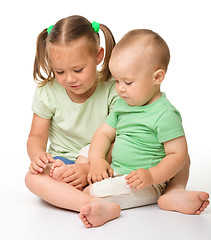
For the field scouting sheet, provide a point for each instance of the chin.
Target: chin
(129, 103)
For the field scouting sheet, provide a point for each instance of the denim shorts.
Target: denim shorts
(65, 160)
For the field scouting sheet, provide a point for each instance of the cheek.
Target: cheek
(143, 87)
(89, 76)
(117, 90)
(58, 78)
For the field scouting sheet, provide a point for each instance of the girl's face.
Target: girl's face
(75, 68)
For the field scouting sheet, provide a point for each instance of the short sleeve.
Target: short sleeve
(169, 126)
(42, 104)
(112, 118)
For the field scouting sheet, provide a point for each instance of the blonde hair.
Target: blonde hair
(160, 49)
(65, 31)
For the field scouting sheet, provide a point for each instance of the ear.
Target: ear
(100, 55)
(159, 76)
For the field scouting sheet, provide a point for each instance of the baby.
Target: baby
(149, 141)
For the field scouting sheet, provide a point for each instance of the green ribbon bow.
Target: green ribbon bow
(96, 26)
(49, 29)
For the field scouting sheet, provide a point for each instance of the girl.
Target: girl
(67, 104)
(71, 102)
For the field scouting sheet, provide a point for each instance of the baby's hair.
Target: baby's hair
(160, 49)
(66, 31)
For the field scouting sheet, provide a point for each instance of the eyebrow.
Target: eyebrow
(123, 79)
(79, 66)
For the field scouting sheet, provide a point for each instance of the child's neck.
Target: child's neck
(154, 98)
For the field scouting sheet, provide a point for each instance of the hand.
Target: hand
(76, 175)
(139, 178)
(39, 162)
(99, 170)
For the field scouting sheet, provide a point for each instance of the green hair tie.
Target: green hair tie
(96, 26)
(49, 29)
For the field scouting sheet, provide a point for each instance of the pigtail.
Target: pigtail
(104, 73)
(41, 64)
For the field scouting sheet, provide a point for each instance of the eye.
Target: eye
(59, 72)
(128, 83)
(78, 70)
(116, 81)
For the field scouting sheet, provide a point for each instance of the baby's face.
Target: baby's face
(134, 76)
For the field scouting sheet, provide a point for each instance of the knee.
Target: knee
(161, 202)
(29, 181)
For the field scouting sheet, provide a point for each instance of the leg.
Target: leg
(98, 211)
(114, 190)
(176, 198)
(57, 193)
(65, 196)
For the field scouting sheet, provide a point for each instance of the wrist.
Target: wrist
(95, 160)
(150, 176)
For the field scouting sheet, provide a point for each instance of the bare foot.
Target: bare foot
(57, 169)
(188, 202)
(98, 212)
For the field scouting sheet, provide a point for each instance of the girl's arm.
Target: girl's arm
(100, 145)
(36, 144)
(176, 156)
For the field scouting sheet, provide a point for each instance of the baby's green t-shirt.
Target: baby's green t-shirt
(141, 132)
(72, 124)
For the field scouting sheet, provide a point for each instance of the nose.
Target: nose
(70, 78)
(121, 87)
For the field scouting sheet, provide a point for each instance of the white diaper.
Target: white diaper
(116, 190)
(84, 151)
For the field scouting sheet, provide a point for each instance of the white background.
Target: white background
(186, 27)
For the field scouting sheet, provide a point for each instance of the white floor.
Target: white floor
(25, 216)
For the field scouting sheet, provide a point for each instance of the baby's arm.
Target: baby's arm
(36, 144)
(100, 145)
(176, 157)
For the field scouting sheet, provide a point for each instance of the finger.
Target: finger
(100, 177)
(50, 159)
(94, 178)
(67, 173)
(131, 174)
(89, 179)
(36, 167)
(132, 179)
(135, 184)
(41, 164)
(139, 186)
(69, 178)
(32, 170)
(110, 172)
(75, 182)
(79, 187)
(104, 175)
(44, 159)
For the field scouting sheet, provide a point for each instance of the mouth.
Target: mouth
(74, 86)
(124, 97)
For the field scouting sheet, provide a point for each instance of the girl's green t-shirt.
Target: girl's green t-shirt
(72, 124)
